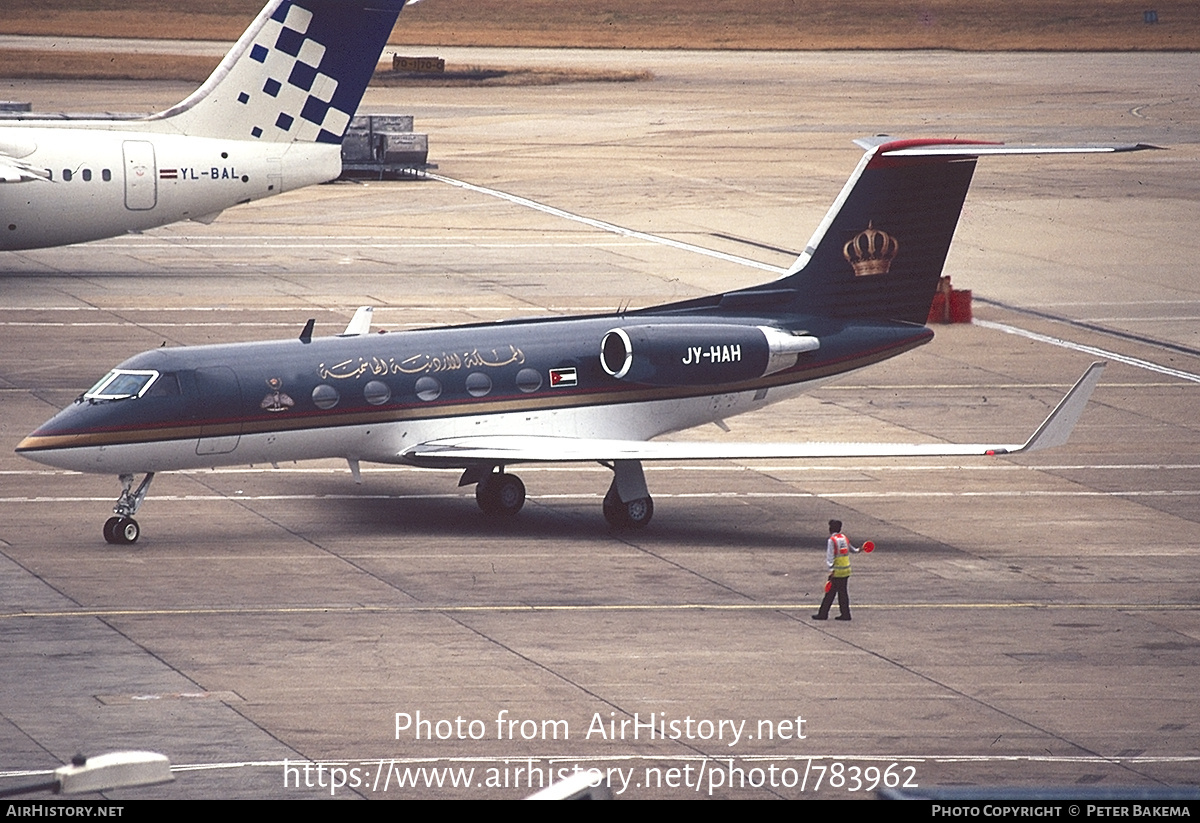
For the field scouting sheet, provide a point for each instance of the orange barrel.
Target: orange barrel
(960, 306)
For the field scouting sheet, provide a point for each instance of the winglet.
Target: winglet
(1056, 428)
(360, 323)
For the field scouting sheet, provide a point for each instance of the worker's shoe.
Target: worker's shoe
(842, 617)
(820, 617)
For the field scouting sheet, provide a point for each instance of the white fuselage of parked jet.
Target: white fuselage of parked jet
(270, 118)
(95, 182)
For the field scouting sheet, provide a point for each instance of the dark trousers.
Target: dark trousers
(843, 596)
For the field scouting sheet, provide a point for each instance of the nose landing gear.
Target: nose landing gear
(123, 529)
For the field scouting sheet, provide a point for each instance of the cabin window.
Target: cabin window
(428, 388)
(529, 380)
(106, 175)
(478, 384)
(325, 396)
(377, 393)
(87, 175)
(67, 175)
(121, 384)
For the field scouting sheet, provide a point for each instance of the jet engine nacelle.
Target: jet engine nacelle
(700, 354)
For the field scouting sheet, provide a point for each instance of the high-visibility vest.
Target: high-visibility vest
(841, 555)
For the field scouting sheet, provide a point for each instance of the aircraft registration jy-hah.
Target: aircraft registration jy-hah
(269, 119)
(596, 388)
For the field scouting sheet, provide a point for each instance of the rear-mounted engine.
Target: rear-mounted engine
(700, 354)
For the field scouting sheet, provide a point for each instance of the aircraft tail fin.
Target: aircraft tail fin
(879, 252)
(297, 74)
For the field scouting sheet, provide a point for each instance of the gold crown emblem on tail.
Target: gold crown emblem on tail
(871, 251)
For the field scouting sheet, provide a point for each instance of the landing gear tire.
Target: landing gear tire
(501, 494)
(634, 514)
(122, 530)
(639, 512)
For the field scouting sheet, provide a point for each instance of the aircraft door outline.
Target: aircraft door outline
(218, 389)
(141, 175)
(275, 174)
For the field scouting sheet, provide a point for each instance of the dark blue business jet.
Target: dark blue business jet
(596, 388)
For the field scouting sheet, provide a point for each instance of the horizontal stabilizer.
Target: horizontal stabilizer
(17, 171)
(208, 219)
(894, 147)
(457, 452)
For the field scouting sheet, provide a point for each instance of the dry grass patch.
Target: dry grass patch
(1066, 25)
(1059, 25)
(507, 76)
(59, 65)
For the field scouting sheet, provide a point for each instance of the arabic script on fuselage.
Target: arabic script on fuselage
(421, 363)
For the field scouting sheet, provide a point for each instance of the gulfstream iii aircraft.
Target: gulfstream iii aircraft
(592, 388)
(270, 118)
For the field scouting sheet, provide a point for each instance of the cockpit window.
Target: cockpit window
(167, 385)
(120, 384)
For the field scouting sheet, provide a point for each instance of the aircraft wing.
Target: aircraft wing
(13, 170)
(458, 452)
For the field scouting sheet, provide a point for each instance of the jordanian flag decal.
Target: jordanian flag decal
(561, 378)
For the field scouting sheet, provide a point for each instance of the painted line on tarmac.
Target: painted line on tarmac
(444, 244)
(609, 227)
(725, 466)
(520, 608)
(1092, 350)
(237, 498)
(339, 310)
(154, 324)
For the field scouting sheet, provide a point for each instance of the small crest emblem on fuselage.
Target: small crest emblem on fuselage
(276, 400)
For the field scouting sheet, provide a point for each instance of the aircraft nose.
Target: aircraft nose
(38, 445)
(60, 442)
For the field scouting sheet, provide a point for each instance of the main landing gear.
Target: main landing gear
(123, 529)
(627, 505)
(500, 493)
(635, 514)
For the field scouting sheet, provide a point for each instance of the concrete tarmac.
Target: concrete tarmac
(1025, 621)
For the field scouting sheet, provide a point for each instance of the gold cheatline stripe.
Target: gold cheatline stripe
(627, 607)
